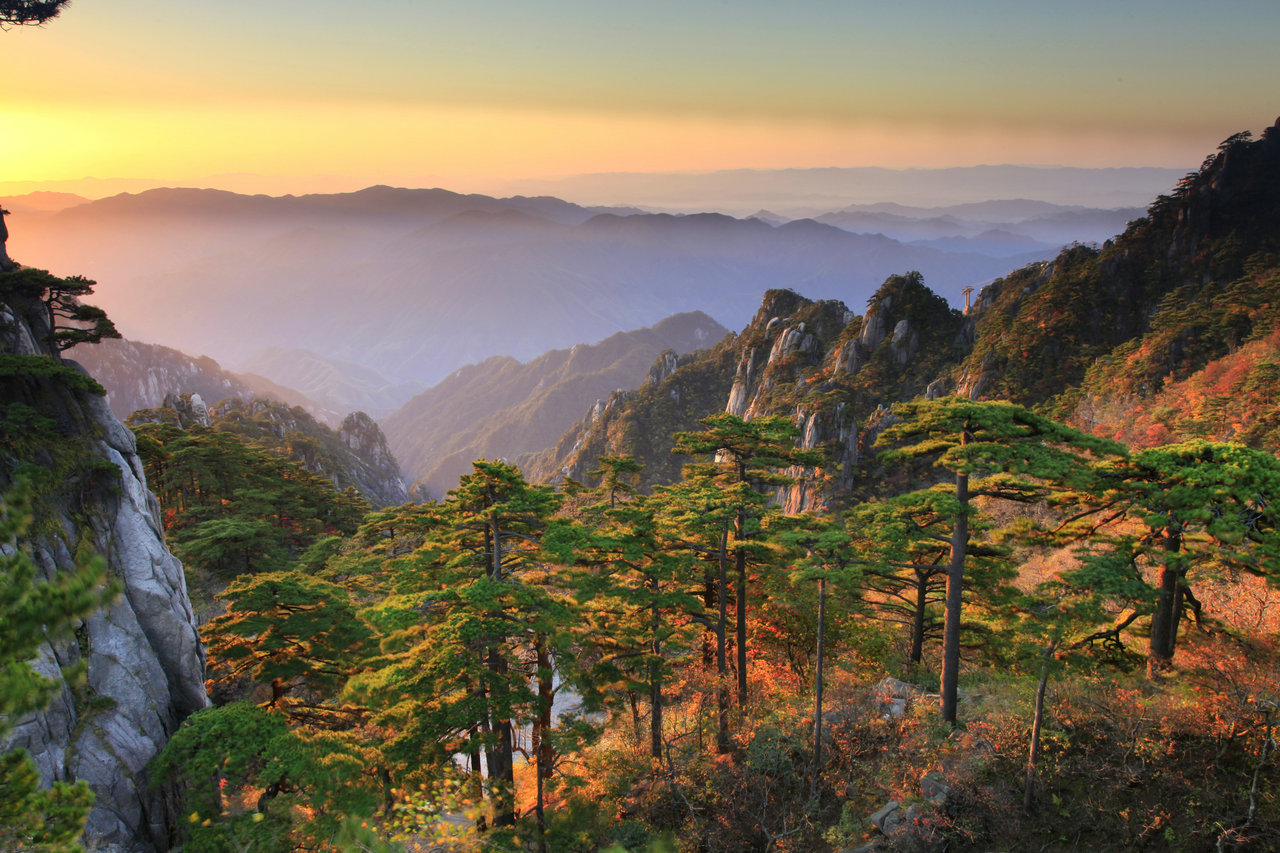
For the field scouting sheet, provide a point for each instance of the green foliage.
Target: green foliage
(46, 434)
(294, 434)
(247, 773)
(994, 451)
(456, 678)
(31, 614)
(1200, 508)
(284, 626)
(49, 820)
(1002, 442)
(232, 508)
(67, 321)
(33, 368)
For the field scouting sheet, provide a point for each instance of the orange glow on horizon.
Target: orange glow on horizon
(468, 148)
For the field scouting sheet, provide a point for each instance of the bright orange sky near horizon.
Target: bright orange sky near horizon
(305, 95)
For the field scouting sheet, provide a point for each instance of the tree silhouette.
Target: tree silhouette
(20, 12)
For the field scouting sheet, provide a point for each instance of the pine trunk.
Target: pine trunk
(817, 690)
(917, 619)
(1164, 621)
(1037, 718)
(955, 592)
(544, 753)
(502, 758)
(655, 684)
(740, 601)
(741, 611)
(722, 663)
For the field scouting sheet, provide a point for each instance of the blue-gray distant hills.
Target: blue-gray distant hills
(810, 192)
(504, 408)
(416, 283)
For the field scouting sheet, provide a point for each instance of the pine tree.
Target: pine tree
(636, 587)
(997, 451)
(284, 626)
(1202, 506)
(466, 635)
(825, 557)
(747, 458)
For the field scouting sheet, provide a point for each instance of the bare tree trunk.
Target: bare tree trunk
(543, 751)
(1164, 621)
(722, 664)
(709, 601)
(502, 761)
(1037, 717)
(634, 702)
(955, 588)
(917, 620)
(740, 561)
(817, 689)
(477, 776)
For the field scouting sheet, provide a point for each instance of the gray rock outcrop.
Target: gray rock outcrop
(144, 659)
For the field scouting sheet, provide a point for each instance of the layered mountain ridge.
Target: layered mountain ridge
(417, 283)
(502, 408)
(140, 376)
(333, 385)
(1173, 298)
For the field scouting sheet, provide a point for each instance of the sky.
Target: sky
(320, 95)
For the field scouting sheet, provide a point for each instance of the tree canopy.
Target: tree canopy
(28, 12)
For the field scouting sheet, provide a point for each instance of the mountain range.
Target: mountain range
(1019, 229)
(414, 284)
(329, 384)
(139, 375)
(1169, 331)
(811, 192)
(502, 408)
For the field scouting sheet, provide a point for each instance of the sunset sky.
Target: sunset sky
(303, 95)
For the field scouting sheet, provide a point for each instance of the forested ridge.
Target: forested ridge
(795, 593)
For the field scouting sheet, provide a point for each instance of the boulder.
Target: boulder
(888, 818)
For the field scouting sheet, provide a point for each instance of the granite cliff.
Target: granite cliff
(816, 362)
(145, 662)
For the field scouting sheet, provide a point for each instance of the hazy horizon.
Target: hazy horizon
(738, 192)
(474, 98)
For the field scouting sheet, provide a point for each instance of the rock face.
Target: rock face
(830, 371)
(140, 376)
(145, 663)
(375, 466)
